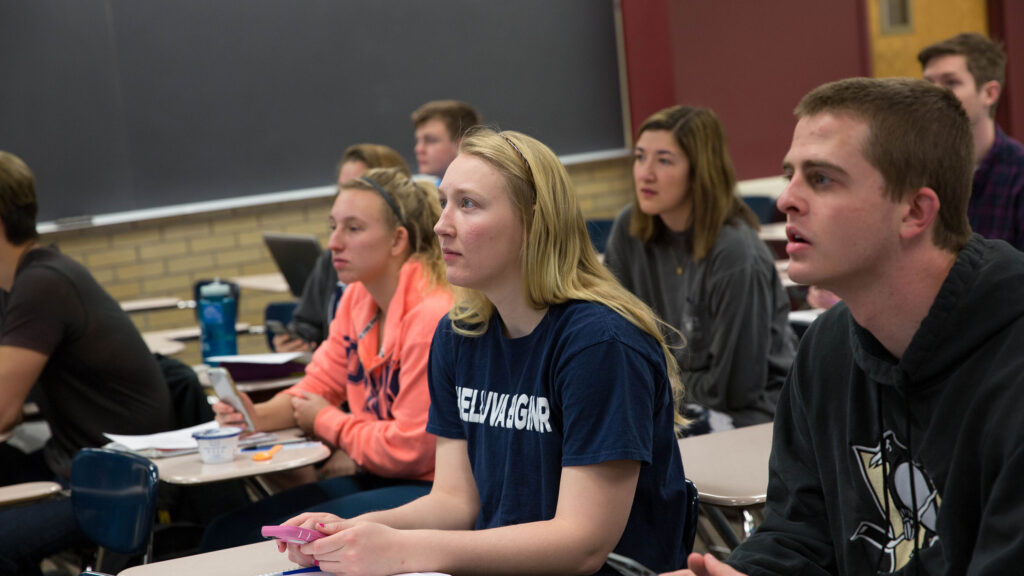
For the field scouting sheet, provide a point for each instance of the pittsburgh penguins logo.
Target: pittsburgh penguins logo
(907, 520)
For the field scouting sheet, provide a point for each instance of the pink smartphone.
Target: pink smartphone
(292, 534)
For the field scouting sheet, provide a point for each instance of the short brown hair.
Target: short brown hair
(374, 156)
(457, 116)
(918, 136)
(986, 60)
(18, 206)
(712, 181)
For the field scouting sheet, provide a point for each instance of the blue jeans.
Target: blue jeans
(344, 496)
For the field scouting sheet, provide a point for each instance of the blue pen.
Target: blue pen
(306, 570)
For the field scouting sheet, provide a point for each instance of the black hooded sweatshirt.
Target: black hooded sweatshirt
(854, 425)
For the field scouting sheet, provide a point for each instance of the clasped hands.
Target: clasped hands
(350, 547)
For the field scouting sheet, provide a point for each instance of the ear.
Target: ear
(922, 208)
(990, 92)
(400, 241)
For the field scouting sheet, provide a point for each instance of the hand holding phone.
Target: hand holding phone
(277, 328)
(224, 388)
(292, 534)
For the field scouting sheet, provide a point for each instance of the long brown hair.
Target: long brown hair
(712, 182)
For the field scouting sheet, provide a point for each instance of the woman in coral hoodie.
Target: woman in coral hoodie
(365, 391)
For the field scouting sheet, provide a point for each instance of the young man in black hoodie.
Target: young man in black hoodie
(899, 437)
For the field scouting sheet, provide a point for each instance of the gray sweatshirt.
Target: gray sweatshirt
(731, 308)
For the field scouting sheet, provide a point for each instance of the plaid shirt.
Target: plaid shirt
(996, 208)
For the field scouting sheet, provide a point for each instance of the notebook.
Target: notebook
(295, 255)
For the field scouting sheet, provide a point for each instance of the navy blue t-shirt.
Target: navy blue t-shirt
(584, 387)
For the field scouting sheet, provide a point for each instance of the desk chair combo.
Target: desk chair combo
(730, 470)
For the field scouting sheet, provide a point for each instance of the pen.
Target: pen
(306, 570)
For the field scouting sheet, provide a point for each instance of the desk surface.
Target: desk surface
(250, 560)
(27, 491)
(774, 232)
(189, 469)
(151, 304)
(729, 468)
(266, 282)
(170, 342)
(250, 386)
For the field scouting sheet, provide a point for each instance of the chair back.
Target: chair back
(280, 311)
(764, 208)
(692, 508)
(598, 230)
(113, 495)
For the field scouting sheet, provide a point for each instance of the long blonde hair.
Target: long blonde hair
(558, 262)
(418, 211)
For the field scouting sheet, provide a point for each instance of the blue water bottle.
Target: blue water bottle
(217, 320)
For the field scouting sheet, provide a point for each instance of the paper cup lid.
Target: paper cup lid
(215, 433)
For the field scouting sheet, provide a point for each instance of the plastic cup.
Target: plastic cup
(217, 445)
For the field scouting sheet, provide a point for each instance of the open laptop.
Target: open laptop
(295, 255)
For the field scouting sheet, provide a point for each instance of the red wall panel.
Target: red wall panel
(648, 45)
(753, 61)
(1005, 18)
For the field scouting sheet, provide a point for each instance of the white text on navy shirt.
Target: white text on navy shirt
(519, 411)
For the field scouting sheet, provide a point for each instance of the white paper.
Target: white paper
(269, 358)
(173, 440)
(805, 316)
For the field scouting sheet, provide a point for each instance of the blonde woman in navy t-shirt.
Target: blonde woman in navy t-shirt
(551, 396)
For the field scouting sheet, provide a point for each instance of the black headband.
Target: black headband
(387, 198)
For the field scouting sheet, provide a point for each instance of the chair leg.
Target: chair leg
(722, 526)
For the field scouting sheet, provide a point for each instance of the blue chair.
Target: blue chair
(280, 311)
(763, 207)
(113, 495)
(598, 230)
(692, 510)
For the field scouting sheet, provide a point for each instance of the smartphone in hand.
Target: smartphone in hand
(278, 328)
(224, 388)
(292, 534)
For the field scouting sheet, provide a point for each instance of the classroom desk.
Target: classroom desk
(729, 468)
(266, 282)
(249, 560)
(250, 387)
(151, 304)
(189, 469)
(170, 342)
(774, 232)
(26, 492)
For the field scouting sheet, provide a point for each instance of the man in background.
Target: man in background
(61, 333)
(439, 128)
(974, 69)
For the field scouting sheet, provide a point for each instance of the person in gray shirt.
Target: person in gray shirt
(688, 247)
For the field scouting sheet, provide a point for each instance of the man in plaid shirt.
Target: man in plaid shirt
(973, 68)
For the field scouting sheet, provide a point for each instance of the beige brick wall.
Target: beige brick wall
(166, 257)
